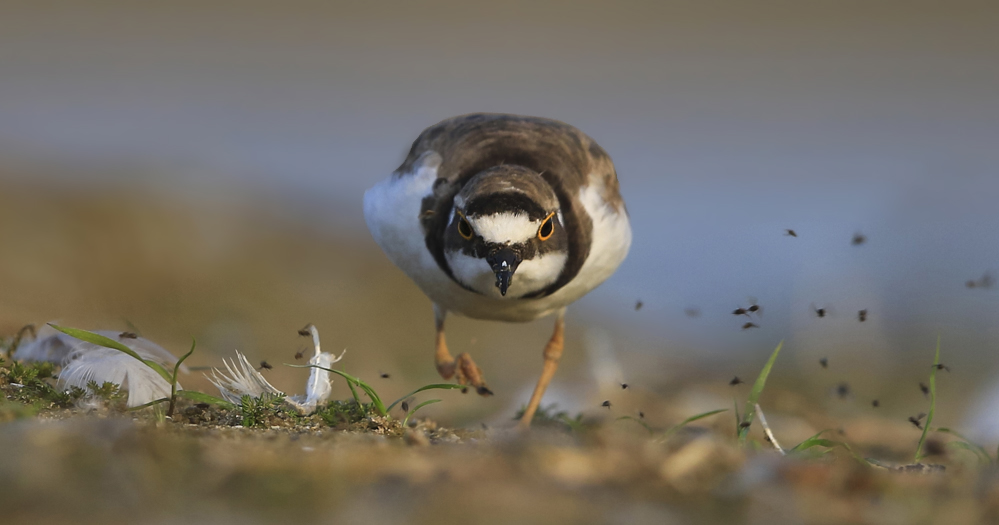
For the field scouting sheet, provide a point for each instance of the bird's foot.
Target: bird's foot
(470, 374)
(446, 368)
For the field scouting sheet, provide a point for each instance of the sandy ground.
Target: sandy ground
(99, 469)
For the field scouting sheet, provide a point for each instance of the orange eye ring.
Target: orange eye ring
(464, 228)
(547, 228)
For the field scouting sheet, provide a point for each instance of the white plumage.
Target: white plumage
(505, 227)
(532, 275)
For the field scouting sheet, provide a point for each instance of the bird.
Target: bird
(501, 217)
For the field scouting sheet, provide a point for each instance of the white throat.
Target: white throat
(532, 275)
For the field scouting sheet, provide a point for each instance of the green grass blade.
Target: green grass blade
(106, 342)
(440, 386)
(857, 457)
(738, 419)
(375, 399)
(173, 378)
(976, 448)
(353, 381)
(149, 404)
(200, 397)
(96, 339)
(691, 419)
(816, 441)
(639, 421)
(417, 407)
(353, 393)
(754, 394)
(933, 404)
(183, 358)
(574, 424)
(808, 443)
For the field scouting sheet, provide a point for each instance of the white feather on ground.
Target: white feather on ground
(243, 379)
(55, 347)
(89, 363)
(319, 387)
(50, 346)
(83, 362)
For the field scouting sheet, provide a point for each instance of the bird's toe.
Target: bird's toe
(470, 374)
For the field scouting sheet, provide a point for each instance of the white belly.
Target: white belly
(392, 209)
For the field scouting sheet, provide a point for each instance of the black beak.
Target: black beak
(503, 262)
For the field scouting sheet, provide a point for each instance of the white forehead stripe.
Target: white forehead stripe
(505, 227)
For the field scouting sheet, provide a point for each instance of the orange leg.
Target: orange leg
(552, 355)
(445, 363)
(467, 371)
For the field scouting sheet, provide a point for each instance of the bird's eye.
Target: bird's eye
(547, 227)
(465, 229)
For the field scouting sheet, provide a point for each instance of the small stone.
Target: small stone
(416, 438)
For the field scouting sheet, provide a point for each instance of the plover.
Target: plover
(501, 217)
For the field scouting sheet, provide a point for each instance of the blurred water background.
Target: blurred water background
(196, 169)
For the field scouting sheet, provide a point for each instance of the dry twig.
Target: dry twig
(766, 428)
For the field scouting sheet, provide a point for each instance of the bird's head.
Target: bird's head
(505, 236)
